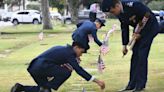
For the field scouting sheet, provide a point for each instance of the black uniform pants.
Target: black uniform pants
(50, 78)
(161, 25)
(161, 18)
(139, 59)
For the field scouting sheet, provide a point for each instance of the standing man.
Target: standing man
(93, 11)
(130, 13)
(86, 28)
(53, 67)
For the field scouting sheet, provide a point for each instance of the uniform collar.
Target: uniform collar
(72, 51)
(122, 11)
(95, 28)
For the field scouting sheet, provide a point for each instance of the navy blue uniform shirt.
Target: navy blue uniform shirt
(133, 12)
(84, 29)
(57, 56)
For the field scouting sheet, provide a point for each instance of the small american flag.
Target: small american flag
(104, 49)
(105, 46)
(100, 64)
(41, 36)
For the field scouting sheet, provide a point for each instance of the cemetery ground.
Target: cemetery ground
(20, 44)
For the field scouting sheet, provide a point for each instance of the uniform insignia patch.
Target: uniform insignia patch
(130, 4)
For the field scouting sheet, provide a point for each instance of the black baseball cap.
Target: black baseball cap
(101, 21)
(107, 4)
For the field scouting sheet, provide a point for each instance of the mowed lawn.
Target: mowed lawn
(19, 45)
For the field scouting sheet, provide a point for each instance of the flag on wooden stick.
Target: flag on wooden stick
(104, 49)
(41, 36)
(105, 46)
(138, 29)
(100, 64)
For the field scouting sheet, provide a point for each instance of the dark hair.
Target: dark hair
(108, 4)
(114, 2)
(96, 2)
(76, 44)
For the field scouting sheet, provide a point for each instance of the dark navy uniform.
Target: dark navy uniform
(133, 12)
(48, 64)
(80, 35)
(161, 24)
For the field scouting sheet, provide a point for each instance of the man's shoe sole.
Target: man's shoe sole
(14, 88)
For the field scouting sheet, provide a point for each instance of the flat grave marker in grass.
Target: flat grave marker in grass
(78, 86)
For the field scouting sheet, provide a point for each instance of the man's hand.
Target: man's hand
(124, 50)
(100, 83)
(104, 49)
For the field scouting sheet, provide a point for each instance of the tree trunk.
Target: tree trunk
(46, 14)
(73, 6)
(24, 2)
(12, 3)
(1, 3)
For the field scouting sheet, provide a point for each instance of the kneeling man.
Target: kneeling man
(53, 67)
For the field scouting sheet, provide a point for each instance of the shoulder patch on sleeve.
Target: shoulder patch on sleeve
(130, 4)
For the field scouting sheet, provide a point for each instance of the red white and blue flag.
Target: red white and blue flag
(105, 46)
(100, 64)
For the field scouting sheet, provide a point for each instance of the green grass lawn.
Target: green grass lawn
(21, 45)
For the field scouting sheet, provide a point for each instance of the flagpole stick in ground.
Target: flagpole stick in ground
(104, 49)
(41, 36)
